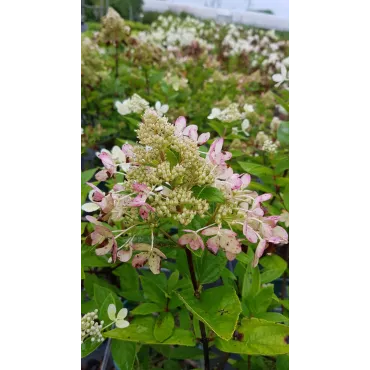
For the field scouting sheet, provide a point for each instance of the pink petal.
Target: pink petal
(249, 233)
(180, 124)
(259, 252)
(140, 260)
(261, 198)
(197, 243)
(140, 187)
(186, 239)
(144, 213)
(104, 231)
(211, 231)
(191, 131)
(203, 138)
(139, 200)
(227, 156)
(235, 181)
(127, 149)
(154, 264)
(218, 145)
(279, 235)
(212, 244)
(124, 255)
(107, 160)
(246, 179)
(228, 232)
(101, 175)
(106, 249)
(118, 187)
(93, 220)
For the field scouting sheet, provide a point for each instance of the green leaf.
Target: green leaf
(172, 281)
(146, 309)
(171, 365)
(184, 319)
(208, 193)
(123, 354)
(209, 267)
(282, 165)
(283, 133)
(141, 331)
(251, 282)
(261, 301)
(88, 346)
(164, 326)
(88, 306)
(155, 77)
(129, 282)
(283, 302)
(87, 175)
(282, 362)
(244, 258)
(179, 353)
(260, 187)
(82, 273)
(153, 290)
(272, 316)
(258, 337)
(256, 169)
(273, 267)
(91, 279)
(217, 126)
(103, 298)
(171, 157)
(218, 308)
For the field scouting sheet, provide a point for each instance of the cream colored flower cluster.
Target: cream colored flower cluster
(91, 328)
(113, 28)
(92, 65)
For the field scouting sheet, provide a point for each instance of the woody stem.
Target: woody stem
(201, 324)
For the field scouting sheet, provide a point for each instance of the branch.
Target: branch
(201, 324)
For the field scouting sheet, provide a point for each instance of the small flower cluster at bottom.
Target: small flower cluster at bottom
(91, 328)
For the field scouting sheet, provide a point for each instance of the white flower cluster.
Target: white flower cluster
(135, 104)
(91, 328)
(269, 146)
(175, 33)
(257, 44)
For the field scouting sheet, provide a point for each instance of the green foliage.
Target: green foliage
(124, 354)
(141, 330)
(257, 337)
(218, 308)
(208, 193)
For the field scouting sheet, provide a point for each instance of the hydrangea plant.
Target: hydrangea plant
(173, 216)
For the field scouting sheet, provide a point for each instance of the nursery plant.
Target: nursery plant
(167, 222)
(185, 195)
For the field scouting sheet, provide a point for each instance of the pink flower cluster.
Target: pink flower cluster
(256, 227)
(243, 208)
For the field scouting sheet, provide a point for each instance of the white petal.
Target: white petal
(125, 166)
(277, 77)
(112, 311)
(283, 71)
(117, 153)
(90, 207)
(164, 108)
(122, 314)
(245, 124)
(158, 105)
(122, 324)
